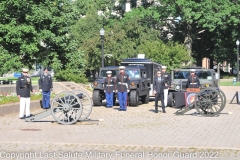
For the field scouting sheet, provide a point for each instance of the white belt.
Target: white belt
(193, 83)
(109, 85)
(122, 83)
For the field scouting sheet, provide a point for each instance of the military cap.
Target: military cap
(109, 72)
(122, 67)
(164, 67)
(25, 70)
(192, 70)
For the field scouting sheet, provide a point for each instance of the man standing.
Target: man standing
(45, 86)
(158, 85)
(193, 80)
(167, 78)
(23, 88)
(108, 89)
(123, 87)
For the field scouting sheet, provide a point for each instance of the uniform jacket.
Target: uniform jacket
(109, 84)
(122, 82)
(167, 78)
(193, 82)
(158, 86)
(45, 82)
(24, 86)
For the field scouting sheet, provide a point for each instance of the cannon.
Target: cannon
(208, 102)
(67, 108)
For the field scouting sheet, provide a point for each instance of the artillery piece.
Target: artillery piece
(208, 102)
(67, 108)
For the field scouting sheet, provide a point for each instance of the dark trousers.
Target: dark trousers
(161, 96)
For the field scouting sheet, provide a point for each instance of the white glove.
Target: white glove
(104, 90)
(128, 90)
(116, 91)
(40, 90)
(113, 91)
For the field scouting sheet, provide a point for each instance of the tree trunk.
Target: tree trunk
(188, 40)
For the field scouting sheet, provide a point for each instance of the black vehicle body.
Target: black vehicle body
(139, 85)
(151, 68)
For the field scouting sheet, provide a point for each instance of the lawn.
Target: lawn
(34, 79)
(228, 83)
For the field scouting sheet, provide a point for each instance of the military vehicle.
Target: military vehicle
(207, 77)
(151, 67)
(139, 85)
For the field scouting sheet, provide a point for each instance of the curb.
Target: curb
(14, 107)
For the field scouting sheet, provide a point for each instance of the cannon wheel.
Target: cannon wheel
(86, 103)
(66, 108)
(210, 101)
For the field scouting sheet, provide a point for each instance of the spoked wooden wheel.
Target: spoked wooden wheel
(210, 101)
(86, 103)
(66, 108)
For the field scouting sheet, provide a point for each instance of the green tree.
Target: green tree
(33, 30)
(194, 20)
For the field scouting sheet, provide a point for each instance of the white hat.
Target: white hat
(192, 70)
(164, 67)
(122, 67)
(109, 72)
(25, 70)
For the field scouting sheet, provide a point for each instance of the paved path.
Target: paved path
(138, 133)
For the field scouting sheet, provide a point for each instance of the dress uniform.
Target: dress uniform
(193, 80)
(167, 78)
(158, 85)
(109, 88)
(23, 88)
(45, 86)
(123, 87)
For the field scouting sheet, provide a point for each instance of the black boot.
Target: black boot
(156, 109)
(163, 109)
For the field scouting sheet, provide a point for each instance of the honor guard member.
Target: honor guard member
(193, 80)
(158, 86)
(45, 86)
(167, 78)
(23, 88)
(109, 89)
(123, 87)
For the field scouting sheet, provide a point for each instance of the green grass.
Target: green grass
(228, 83)
(34, 79)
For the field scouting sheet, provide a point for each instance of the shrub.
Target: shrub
(68, 75)
(6, 98)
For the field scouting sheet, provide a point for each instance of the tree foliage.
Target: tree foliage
(202, 25)
(38, 31)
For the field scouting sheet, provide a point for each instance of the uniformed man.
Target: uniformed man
(193, 80)
(158, 86)
(109, 89)
(167, 78)
(45, 86)
(23, 88)
(123, 87)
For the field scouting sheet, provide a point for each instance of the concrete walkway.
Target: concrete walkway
(138, 133)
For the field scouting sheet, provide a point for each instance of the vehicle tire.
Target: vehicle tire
(96, 98)
(170, 101)
(145, 98)
(114, 100)
(133, 98)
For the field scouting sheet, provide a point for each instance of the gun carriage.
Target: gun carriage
(208, 102)
(67, 108)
